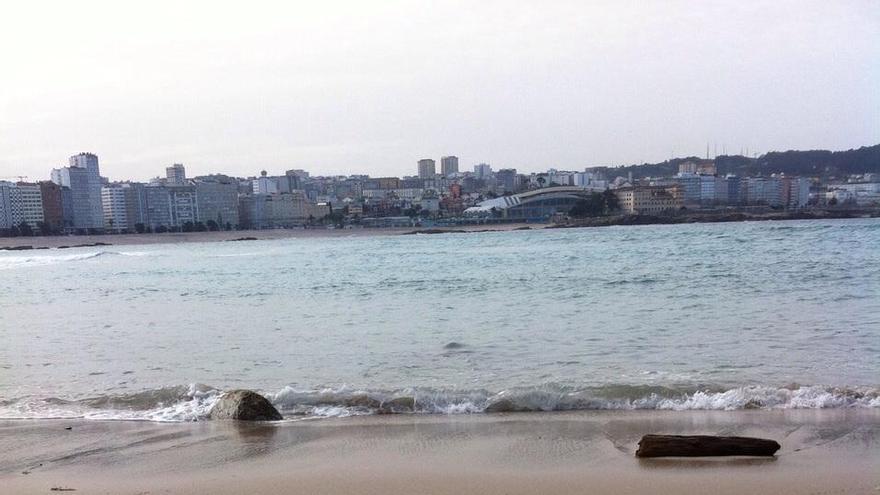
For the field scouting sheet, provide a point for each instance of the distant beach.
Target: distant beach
(823, 451)
(236, 235)
(43, 242)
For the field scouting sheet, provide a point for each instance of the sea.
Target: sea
(728, 316)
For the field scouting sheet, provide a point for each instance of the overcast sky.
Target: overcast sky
(371, 87)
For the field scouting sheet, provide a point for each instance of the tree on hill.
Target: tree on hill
(812, 163)
(594, 205)
(612, 203)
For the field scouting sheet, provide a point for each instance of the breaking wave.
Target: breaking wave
(7, 262)
(194, 402)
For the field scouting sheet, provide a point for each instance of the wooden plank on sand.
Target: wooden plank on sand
(704, 446)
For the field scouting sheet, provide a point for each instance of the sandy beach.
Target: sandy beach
(182, 237)
(823, 451)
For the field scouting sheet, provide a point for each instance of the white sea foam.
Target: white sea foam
(193, 403)
(177, 404)
(17, 261)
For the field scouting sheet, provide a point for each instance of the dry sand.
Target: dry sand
(825, 451)
(179, 237)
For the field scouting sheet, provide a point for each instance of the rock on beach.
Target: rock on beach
(244, 405)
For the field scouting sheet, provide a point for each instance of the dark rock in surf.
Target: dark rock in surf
(704, 446)
(505, 405)
(398, 405)
(363, 400)
(244, 405)
(454, 345)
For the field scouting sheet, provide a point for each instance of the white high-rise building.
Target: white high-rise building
(20, 203)
(113, 199)
(31, 204)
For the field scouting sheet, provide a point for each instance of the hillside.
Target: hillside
(812, 163)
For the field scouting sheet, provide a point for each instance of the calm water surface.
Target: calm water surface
(765, 314)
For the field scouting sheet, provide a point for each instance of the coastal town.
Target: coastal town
(77, 199)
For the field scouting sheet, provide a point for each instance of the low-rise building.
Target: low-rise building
(707, 189)
(795, 191)
(269, 211)
(861, 193)
(648, 200)
(764, 191)
(537, 205)
(691, 188)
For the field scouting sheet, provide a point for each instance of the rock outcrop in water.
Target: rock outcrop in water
(398, 405)
(505, 405)
(244, 405)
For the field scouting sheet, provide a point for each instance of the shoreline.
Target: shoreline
(103, 240)
(688, 217)
(517, 453)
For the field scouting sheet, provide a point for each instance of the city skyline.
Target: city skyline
(567, 85)
(160, 171)
(79, 200)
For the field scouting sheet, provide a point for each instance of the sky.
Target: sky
(371, 87)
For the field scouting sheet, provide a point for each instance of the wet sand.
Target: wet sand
(823, 451)
(181, 237)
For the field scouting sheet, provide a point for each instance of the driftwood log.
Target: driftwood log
(704, 446)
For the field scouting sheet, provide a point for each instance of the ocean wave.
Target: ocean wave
(7, 262)
(170, 404)
(194, 402)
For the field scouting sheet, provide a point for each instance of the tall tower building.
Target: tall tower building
(88, 161)
(83, 177)
(483, 171)
(176, 174)
(427, 169)
(448, 165)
